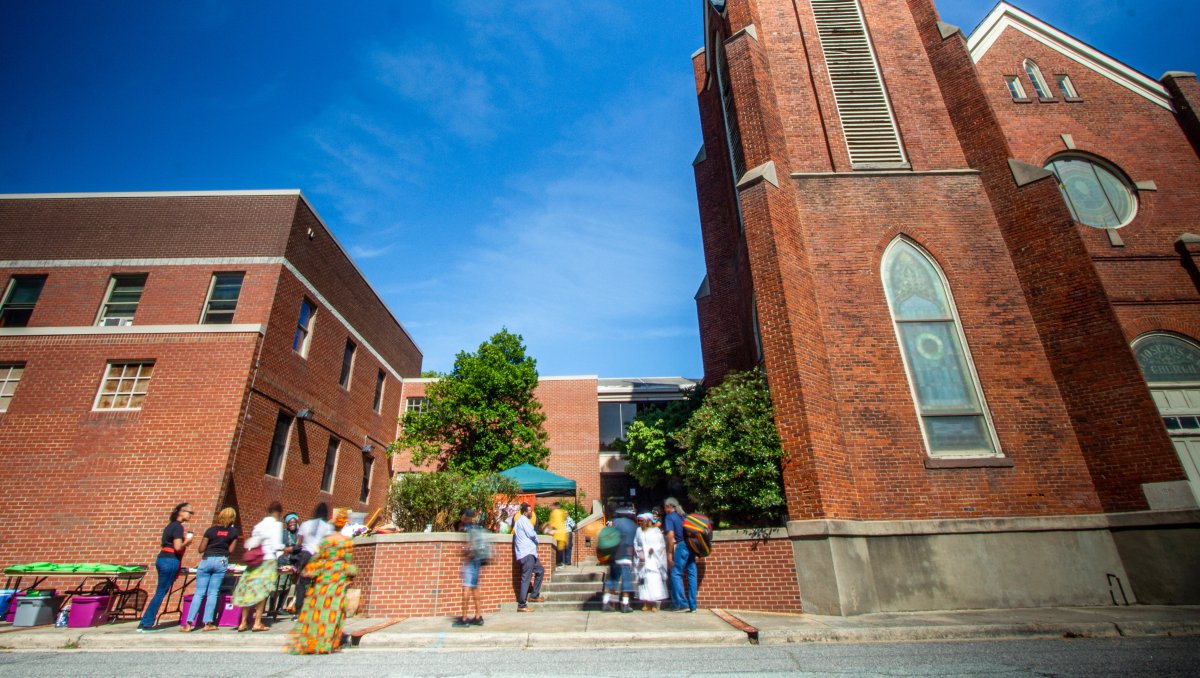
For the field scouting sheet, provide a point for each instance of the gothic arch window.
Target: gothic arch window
(945, 388)
(1039, 82)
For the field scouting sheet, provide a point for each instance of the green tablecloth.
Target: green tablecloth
(72, 568)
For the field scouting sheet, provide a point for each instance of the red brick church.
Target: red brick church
(966, 263)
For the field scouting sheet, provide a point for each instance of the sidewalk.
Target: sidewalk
(580, 629)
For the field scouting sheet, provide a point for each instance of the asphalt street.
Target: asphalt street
(1159, 657)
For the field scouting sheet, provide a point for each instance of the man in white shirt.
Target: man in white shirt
(525, 553)
(310, 535)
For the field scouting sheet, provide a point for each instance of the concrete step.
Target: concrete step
(568, 595)
(571, 586)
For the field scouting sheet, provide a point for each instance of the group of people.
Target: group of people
(651, 552)
(318, 550)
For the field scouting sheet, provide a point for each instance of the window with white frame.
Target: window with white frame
(304, 326)
(415, 404)
(1015, 88)
(331, 454)
(223, 296)
(368, 466)
(950, 404)
(1066, 86)
(19, 299)
(279, 444)
(10, 378)
(380, 381)
(1097, 192)
(125, 386)
(1035, 77)
(120, 305)
(347, 365)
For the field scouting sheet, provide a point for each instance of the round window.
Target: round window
(1097, 193)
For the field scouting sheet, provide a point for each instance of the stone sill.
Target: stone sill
(975, 462)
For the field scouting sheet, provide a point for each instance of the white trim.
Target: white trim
(581, 377)
(1005, 16)
(130, 329)
(211, 261)
(147, 194)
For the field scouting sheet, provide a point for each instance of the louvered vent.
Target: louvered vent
(862, 103)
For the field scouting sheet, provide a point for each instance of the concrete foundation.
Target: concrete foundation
(848, 567)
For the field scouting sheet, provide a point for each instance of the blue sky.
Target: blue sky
(487, 164)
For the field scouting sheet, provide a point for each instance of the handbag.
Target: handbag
(253, 557)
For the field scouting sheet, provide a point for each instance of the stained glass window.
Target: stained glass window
(947, 393)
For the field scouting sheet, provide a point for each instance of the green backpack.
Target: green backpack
(607, 543)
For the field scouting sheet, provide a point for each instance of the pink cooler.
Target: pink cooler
(227, 614)
(87, 611)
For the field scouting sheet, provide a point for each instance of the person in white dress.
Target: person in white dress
(651, 551)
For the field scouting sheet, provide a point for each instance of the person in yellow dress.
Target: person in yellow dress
(319, 629)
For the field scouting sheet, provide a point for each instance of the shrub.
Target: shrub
(419, 499)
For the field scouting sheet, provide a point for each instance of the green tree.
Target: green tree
(482, 417)
(731, 452)
(419, 499)
(649, 443)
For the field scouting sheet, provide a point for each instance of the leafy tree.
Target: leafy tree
(649, 443)
(430, 374)
(731, 460)
(419, 499)
(482, 416)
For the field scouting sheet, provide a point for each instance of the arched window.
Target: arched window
(950, 404)
(1171, 365)
(1096, 192)
(1039, 83)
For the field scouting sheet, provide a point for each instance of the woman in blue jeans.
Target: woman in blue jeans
(215, 545)
(174, 542)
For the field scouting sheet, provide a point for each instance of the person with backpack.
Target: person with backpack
(620, 569)
(476, 553)
(680, 559)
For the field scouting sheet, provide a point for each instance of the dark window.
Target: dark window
(223, 298)
(23, 293)
(615, 418)
(347, 365)
(304, 327)
(368, 464)
(379, 381)
(279, 444)
(330, 465)
(124, 293)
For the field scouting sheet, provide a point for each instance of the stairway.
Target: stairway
(573, 587)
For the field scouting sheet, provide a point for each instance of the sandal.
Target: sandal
(186, 628)
(242, 628)
(209, 627)
(260, 627)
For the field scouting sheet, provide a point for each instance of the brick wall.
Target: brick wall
(417, 575)
(573, 425)
(749, 572)
(89, 486)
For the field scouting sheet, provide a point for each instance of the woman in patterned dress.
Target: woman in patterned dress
(319, 630)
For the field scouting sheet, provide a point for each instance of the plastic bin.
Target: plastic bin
(38, 611)
(6, 597)
(88, 611)
(11, 615)
(226, 613)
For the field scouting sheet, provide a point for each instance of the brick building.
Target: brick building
(584, 415)
(950, 254)
(219, 348)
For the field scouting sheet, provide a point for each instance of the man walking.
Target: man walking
(475, 552)
(525, 553)
(680, 558)
(620, 571)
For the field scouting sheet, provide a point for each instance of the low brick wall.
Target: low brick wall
(750, 570)
(417, 575)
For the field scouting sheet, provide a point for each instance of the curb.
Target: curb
(549, 640)
(968, 632)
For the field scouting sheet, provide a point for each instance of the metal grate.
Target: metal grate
(862, 103)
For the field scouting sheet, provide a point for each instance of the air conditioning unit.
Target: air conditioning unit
(115, 322)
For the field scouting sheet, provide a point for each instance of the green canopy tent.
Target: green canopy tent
(543, 483)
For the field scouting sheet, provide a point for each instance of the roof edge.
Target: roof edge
(1004, 15)
(148, 194)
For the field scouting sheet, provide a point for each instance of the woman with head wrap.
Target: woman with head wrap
(319, 629)
(651, 550)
